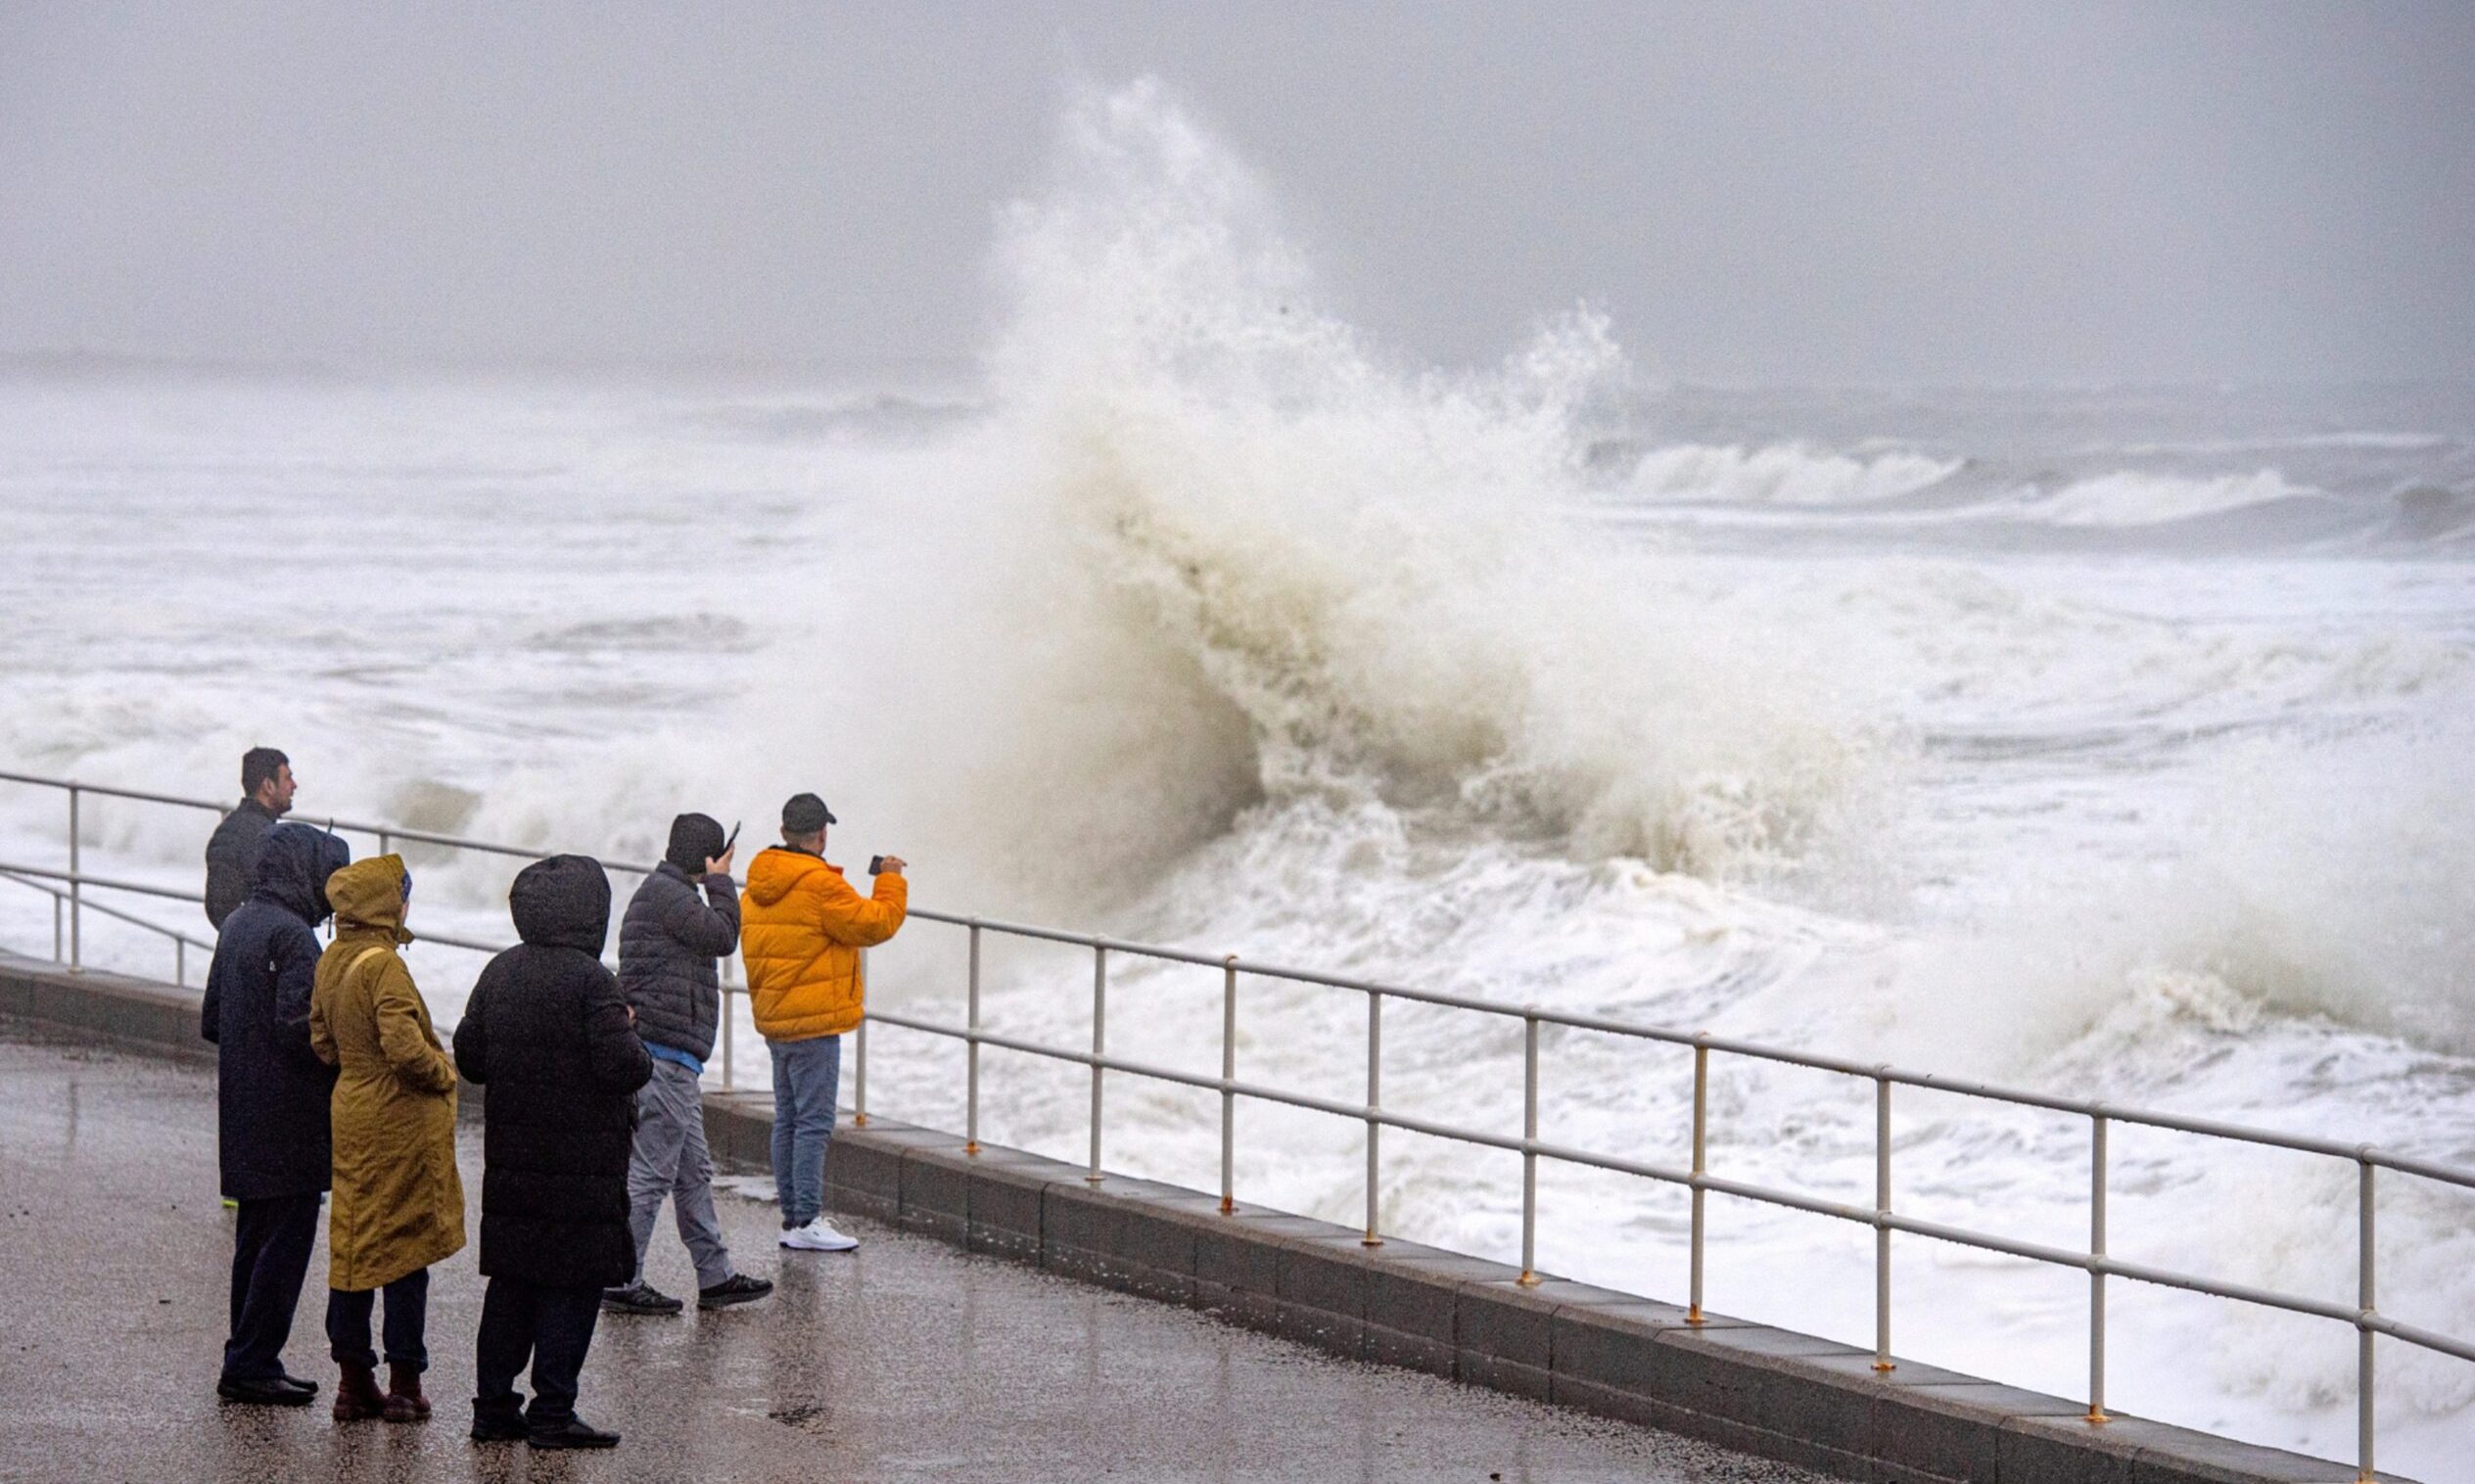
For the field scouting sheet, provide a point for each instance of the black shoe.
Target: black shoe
(263, 1391)
(738, 1288)
(498, 1426)
(304, 1387)
(574, 1432)
(640, 1297)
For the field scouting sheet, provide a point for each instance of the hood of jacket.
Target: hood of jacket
(694, 840)
(776, 871)
(562, 903)
(370, 894)
(293, 868)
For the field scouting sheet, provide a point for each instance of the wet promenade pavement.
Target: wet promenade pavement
(908, 1359)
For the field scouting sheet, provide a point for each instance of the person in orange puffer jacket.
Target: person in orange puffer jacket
(801, 929)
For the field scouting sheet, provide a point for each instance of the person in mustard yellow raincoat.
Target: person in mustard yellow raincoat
(398, 1203)
(802, 927)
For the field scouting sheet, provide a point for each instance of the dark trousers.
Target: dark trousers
(407, 1314)
(553, 1327)
(270, 1256)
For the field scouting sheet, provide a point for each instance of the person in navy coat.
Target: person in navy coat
(271, 1093)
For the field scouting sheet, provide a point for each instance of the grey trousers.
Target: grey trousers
(670, 1159)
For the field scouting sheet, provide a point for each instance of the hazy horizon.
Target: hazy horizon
(1908, 196)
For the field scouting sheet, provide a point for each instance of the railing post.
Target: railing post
(1099, 1045)
(180, 961)
(728, 1016)
(76, 897)
(1374, 1104)
(1529, 1156)
(1701, 1145)
(2365, 1392)
(859, 1082)
(2096, 1270)
(971, 1054)
(1882, 1225)
(382, 844)
(1227, 1075)
(57, 942)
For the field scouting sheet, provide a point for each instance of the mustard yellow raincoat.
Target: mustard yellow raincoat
(398, 1203)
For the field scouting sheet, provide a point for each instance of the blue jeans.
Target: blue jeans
(807, 1076)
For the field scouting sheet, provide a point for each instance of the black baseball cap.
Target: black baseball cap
(806, 813)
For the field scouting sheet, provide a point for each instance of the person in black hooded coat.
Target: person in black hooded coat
(273, 1139)
(547, 1034)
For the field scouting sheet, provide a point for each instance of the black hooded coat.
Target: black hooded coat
(271, 1090)
(546, 1033)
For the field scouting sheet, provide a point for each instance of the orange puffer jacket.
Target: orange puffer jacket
(801, 929)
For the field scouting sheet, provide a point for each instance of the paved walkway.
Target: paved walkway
(908, 1359)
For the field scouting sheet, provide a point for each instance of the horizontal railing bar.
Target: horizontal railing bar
(107, 792)
(2415, 1335)
(10, 874)
(140, 888)
(2301, 1143)
(53, 892)
(174, 893)
(357, 826)
(2177, 1123)
(1864, 1215)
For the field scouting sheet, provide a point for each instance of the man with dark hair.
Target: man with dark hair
(266, 788)
(271, 1096)
(683, 915)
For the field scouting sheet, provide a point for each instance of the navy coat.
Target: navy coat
(546, 1033)
(271, 1090)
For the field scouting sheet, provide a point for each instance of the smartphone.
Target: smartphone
(877, 866)
(734, 837)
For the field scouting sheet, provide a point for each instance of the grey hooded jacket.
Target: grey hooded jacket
(668, 945)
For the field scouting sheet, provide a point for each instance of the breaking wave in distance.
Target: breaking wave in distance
(2141, 499)
(1784, 474)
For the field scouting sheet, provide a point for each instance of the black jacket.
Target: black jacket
(667, 947)
(270, 1091)
(232, 858)
(546, 1033)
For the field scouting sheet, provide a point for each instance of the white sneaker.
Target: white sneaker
(817, 1237)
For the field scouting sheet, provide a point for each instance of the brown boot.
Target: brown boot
(404, 1401)
(356, 1396)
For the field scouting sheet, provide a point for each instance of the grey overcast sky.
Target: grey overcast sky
(1754, 192)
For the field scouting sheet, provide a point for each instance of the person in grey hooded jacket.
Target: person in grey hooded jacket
(681, 921)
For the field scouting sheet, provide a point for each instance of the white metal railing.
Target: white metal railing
(2363, 1315)
(30, 876)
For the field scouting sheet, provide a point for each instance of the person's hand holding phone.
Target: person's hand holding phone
(884, 865)
(720, 865)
